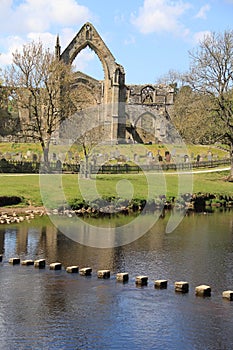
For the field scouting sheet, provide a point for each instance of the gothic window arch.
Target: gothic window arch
(147, 95)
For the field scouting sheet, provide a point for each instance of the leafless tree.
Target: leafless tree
(172, 78)
(42, 86)
(211, 73)
(83, 128)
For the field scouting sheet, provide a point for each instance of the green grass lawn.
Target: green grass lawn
(57, 189)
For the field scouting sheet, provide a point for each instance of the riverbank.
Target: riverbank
(112, 206)
(28, 186)
(15, 215)
(211, 189)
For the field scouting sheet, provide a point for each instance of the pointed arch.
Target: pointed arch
(145, 126)
(144, 115)
(88, 36)
(112, 88)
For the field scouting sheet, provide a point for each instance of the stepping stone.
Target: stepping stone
(72, 269)
(161, 284)
(228, 294)
(182, 287)
(27, 262)
(141, 280)
(55, 266)
(122, 277)
(203, 290)
(14, 261)
(85, 271)
(103, 274)
(40, 263)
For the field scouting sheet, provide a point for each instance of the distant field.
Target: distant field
(28, 186)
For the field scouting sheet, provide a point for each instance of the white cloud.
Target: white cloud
(12, 43)
(199, 36)
(5, 6)
(41, 15)
(202, 12)
(38, 20)
(45, 37)
(161, 16)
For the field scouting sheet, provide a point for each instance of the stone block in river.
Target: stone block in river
(55, 266)
(27, 262)
(40, 263)
(203, 290)
(141, 280)
(72, 269)
(182, 287)
(161, 284)
(85, 271)
(14, 261)
(228, 294)
(103, 274)
(122, 277)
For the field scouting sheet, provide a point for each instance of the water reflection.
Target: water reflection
(201, 243)
(44, 309)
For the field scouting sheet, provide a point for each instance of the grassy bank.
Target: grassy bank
(124, 186)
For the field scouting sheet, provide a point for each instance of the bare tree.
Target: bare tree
(83, 128)
(42, 86)
(211, 73)
(172, 78)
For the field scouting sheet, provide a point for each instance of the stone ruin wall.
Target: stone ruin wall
(89, 91)
(147, 112)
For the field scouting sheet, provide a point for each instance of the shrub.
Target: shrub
(10, 200)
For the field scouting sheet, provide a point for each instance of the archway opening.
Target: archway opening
(89, 63)
(146, 128)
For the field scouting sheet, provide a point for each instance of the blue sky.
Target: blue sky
(147, 37)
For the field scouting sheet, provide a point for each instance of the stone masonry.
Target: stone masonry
(135, 113)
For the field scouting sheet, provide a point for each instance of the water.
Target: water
(44, 309)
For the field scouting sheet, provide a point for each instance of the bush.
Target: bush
(77, 204)
(10, 200)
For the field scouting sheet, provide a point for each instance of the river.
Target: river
(46, 309)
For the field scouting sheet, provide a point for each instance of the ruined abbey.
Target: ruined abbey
(129, 113)
(137, 113)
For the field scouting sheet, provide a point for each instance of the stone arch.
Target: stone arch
(113, 89)
(144, 115)
(145, 126)
(88, 36)
(143, 123)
